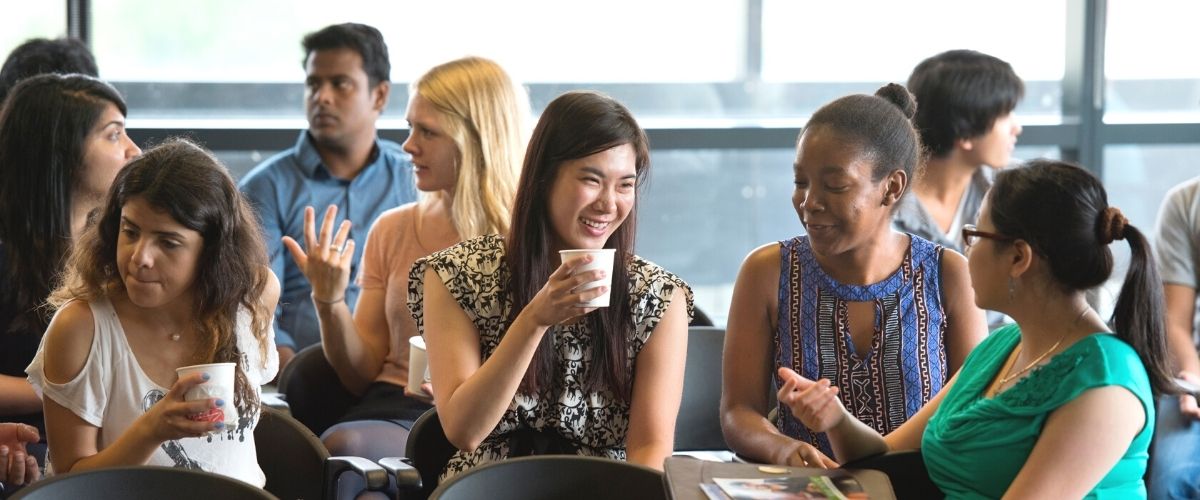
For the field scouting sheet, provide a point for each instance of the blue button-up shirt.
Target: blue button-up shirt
(281, 187)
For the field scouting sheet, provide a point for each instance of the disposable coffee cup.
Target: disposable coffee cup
(418, 363)
(602, 258)
(219, 385)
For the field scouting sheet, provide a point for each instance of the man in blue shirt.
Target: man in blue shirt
(338, 161)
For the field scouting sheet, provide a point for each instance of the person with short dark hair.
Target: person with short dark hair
(965, 102)
(520, 365)
(62, 141)
(173, 273)
(38, 56)
(885, 315)
(338, 161)
(1058, 405)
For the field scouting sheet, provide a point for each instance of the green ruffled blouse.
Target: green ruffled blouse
(974, 446)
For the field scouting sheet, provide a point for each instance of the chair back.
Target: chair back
(142, 482)
(429, 450)
(314, 394)
(291, 456)
(698, 426)
(699, 318)
(906, 470)
(555, 477)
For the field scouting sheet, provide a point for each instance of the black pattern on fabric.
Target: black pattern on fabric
(596, 422)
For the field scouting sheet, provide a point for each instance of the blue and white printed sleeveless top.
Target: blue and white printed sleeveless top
(906, 365)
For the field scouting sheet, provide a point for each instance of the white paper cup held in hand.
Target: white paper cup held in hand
(602, 258)
(219, 385)
(418, 363)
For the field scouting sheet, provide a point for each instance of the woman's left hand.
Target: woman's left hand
(326, 264)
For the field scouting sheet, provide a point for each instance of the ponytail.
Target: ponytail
(1138, 316)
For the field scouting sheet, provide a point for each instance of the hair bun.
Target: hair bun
(901, 97)
(1111, 225)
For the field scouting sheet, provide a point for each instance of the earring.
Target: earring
(1012, 288)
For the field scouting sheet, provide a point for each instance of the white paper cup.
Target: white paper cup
(219, 385)
(418, 363)
(602, 258)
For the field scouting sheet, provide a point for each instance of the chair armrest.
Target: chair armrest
(408, 478)
(373, 475)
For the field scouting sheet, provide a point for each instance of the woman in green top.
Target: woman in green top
(1056, 406)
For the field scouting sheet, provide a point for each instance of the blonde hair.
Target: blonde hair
(485, 113)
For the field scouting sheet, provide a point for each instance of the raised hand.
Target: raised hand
(326, 264)
(16, 467)
(174, 418)
(558, 301)
(815, 404)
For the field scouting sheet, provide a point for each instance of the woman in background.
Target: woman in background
(62, 141)
(467, 122)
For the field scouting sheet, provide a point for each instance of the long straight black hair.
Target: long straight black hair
(44, 125)
(575, 125)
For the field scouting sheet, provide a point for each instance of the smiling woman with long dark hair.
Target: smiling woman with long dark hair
(519, 366)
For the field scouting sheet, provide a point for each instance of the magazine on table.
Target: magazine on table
(838, 486)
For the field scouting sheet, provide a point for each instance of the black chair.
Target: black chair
(313, 391)
(290, 455)
(428, 450)
(555, 477)
(298, 466)
(698, 426)
(906, 470)
(141, 483)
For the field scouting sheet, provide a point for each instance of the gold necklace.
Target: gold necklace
(1032, 364)
(1038, 359)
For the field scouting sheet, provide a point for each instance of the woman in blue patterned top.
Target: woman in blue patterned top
(886, 316)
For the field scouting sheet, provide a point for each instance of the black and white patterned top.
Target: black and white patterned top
(475, 274)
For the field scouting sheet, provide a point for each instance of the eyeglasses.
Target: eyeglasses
(971, 235)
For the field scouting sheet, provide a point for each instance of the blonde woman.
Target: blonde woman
(467, 140)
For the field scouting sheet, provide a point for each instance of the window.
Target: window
(881, 42)
(24, 20)
(536, 40)
(1151, 66)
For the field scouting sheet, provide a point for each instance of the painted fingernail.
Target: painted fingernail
(220, 402)
(205, 376)
(219, 425)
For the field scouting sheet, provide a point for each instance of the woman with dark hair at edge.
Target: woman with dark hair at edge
(1057, 405)
(62, 140)
(519, 366)
(174, 273)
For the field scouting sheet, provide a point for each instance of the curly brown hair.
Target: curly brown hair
(188, 183)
